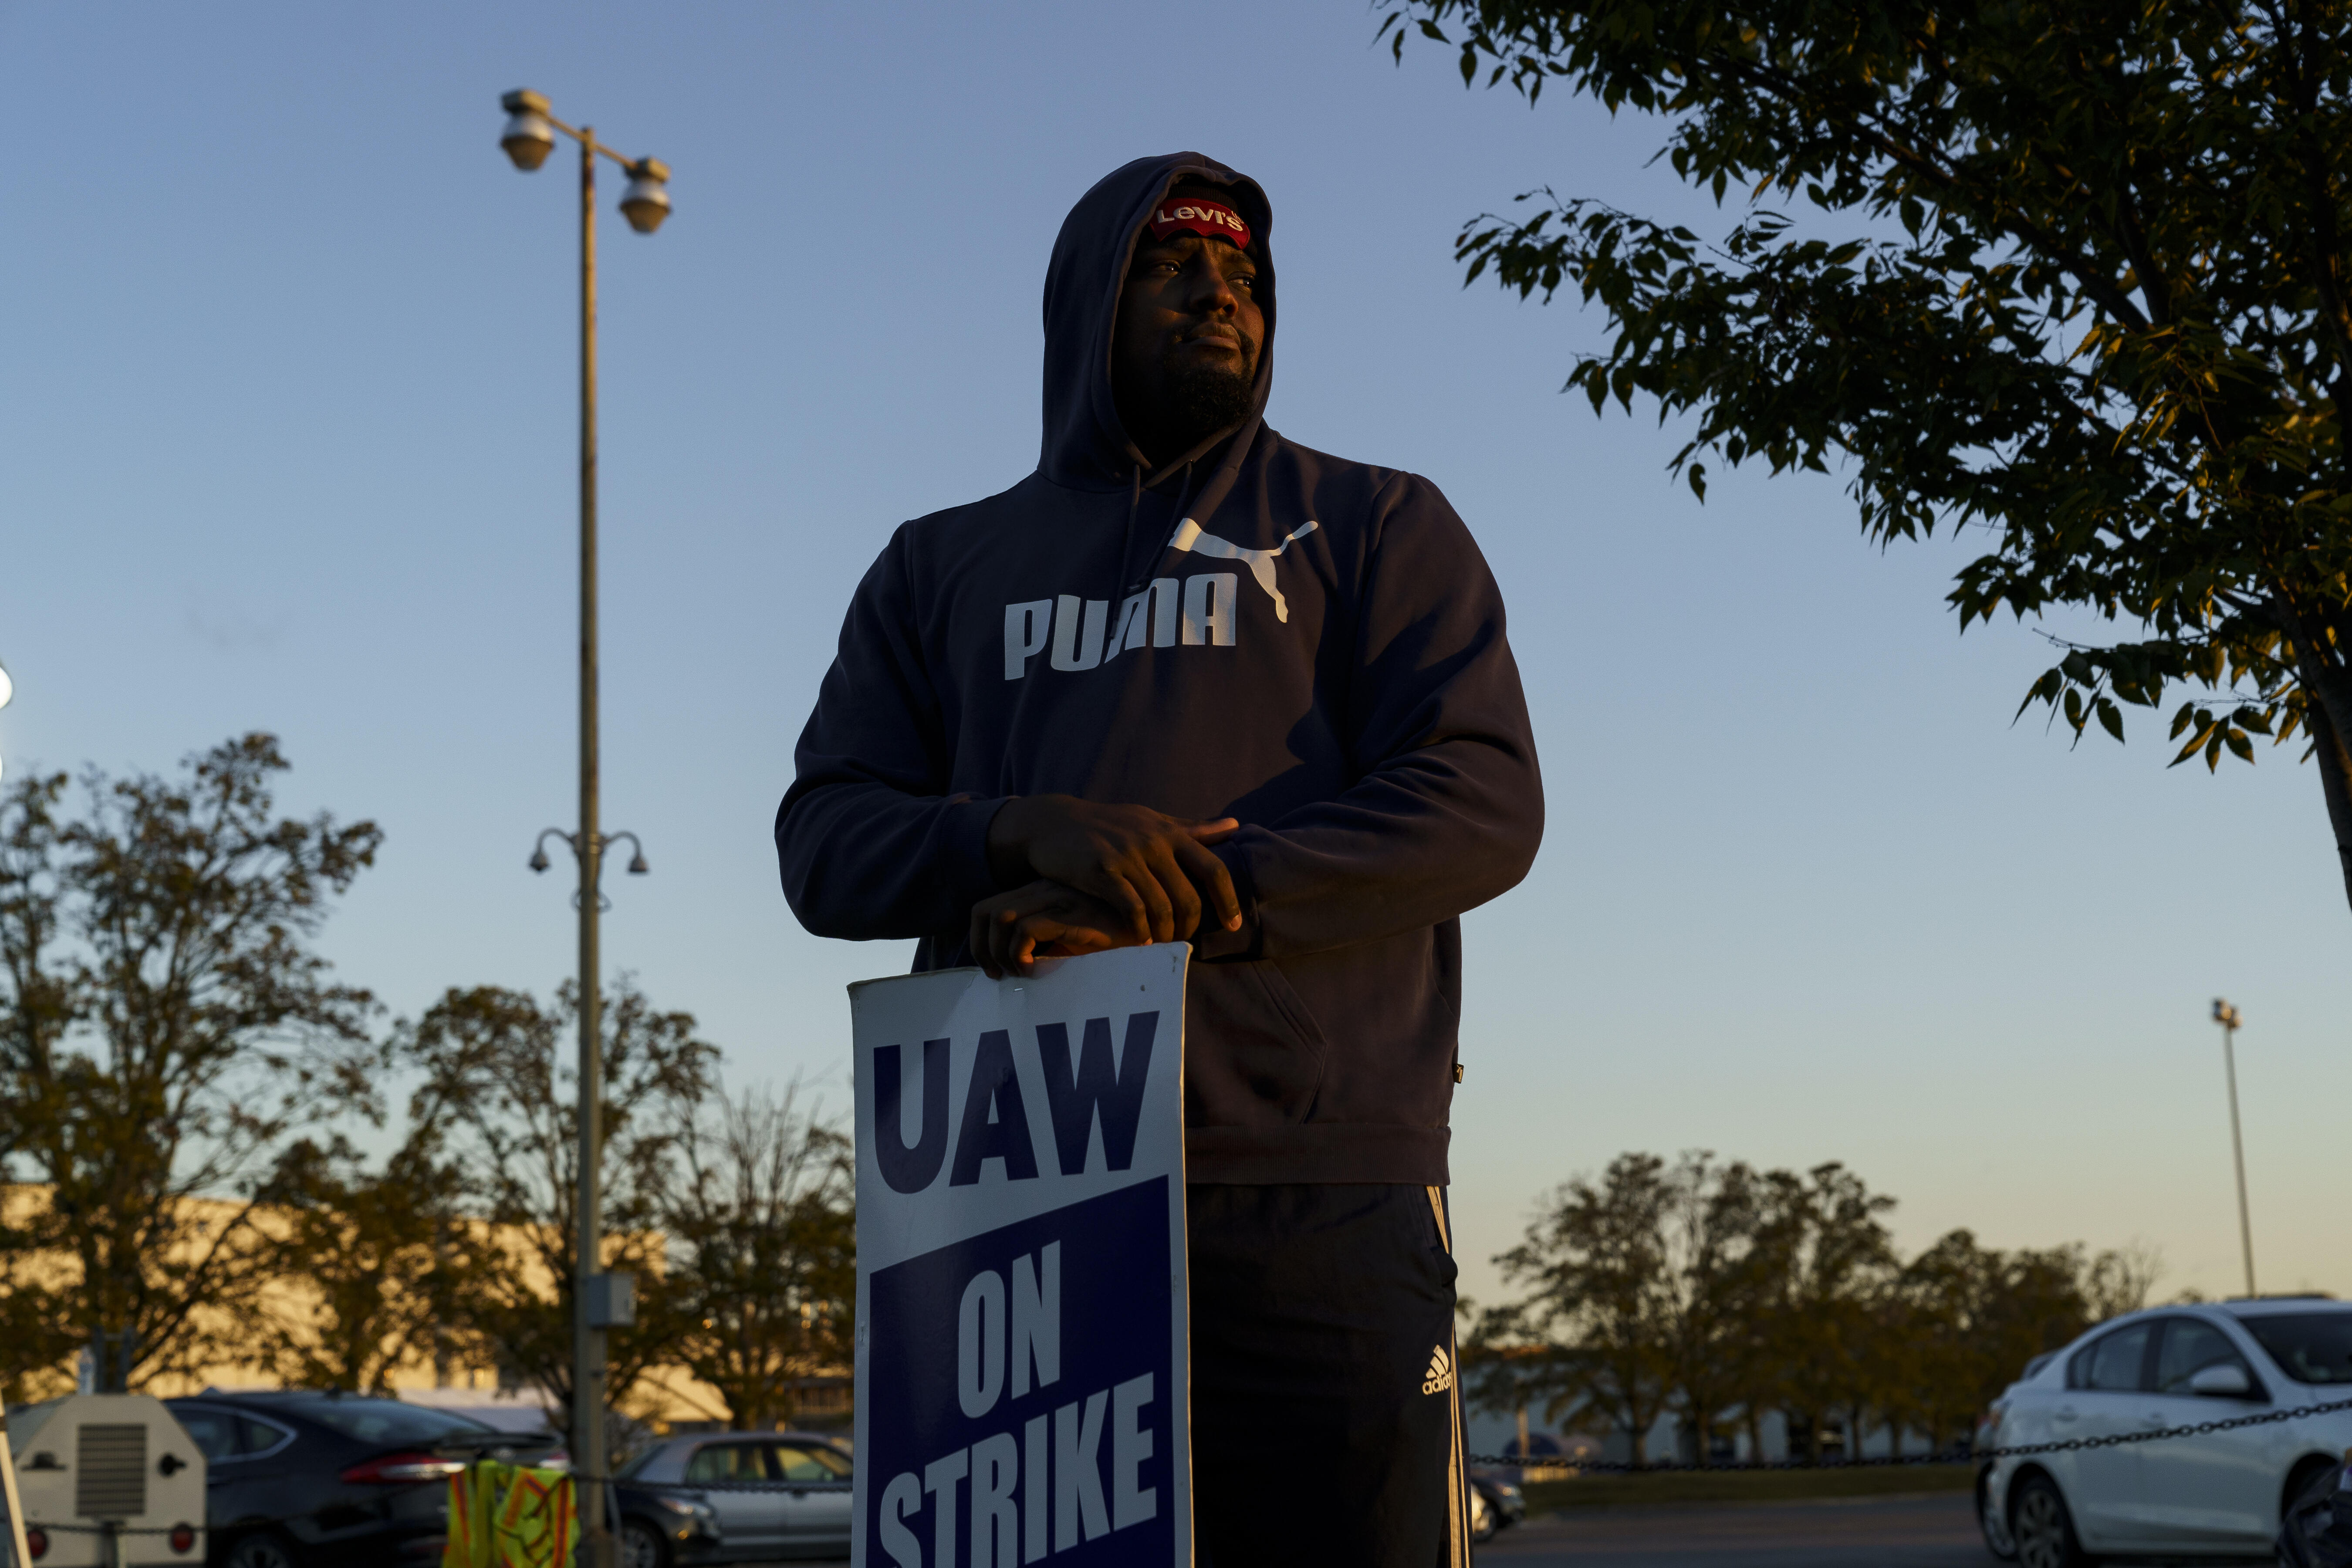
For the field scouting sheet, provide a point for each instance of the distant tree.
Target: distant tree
(1597, 1269)
(1822, 1240)
(1702, 1288)
(1945, 1294)
(2121, 1280)
(166, 1032)
(763, 1226)
(355, 1258)
(2079, 278)
(1717, 1285)
(1696, 1290)
(34, 1343)
(2035, 1304)
(1977, 1315)
(1504, 1371)
(500, 1086)
(1897, 1361)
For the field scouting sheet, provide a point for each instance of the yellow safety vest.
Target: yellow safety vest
(510, 1516)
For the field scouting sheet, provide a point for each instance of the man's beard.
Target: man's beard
(1202, 399)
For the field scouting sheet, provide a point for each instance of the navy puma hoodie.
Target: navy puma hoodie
(1255, 630)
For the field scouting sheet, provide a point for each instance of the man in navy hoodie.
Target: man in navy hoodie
(1191, 681)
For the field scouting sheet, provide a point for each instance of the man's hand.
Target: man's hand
(1152, 872)
(1043, 919)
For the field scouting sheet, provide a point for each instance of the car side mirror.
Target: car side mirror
(2222, 1380)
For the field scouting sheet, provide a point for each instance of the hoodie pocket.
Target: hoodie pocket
(1254, 1055)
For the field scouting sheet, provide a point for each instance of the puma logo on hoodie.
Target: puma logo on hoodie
(1260, 561)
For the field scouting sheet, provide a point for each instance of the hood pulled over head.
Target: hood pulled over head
(1085, 445)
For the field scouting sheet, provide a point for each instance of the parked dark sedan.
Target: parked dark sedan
(1495, 1503)
(310, 1480)
(734, 1496)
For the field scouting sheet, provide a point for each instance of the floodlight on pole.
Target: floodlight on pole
(647, 201)
(8, 690)
(2227, 1016)
(529, 138)
(637, 867)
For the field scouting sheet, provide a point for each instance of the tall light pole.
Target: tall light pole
(2227, 1016)
(601, 1302)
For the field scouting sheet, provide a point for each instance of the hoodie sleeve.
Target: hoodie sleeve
(1449, 808)
(869, 843)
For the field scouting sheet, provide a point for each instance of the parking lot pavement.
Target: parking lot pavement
(1937, 1531)
(1930, 1531)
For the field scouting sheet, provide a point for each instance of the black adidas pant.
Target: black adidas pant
(1325, 1423)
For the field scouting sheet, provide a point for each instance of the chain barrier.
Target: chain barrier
(1575, 1466)
(101, 1529)
(1621, 1467)
(1890, 1461)
(763, 1486)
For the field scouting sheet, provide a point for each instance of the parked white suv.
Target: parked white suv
(2217, 1494)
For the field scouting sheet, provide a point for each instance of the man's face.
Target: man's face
(1184, 356)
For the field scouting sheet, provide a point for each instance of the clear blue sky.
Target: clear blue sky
(286, 442)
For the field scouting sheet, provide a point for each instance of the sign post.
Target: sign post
(1022, 1387)
(19, 1553)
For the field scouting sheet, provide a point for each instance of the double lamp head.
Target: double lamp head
(530, 137)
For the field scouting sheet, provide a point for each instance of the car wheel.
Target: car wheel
(266, 1549)
(2301, 1479)
(2042, 1528)
(1482, 1516)
(1993, 1521)
(643, 1546)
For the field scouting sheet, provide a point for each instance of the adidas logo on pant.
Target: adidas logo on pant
(1441, 1373)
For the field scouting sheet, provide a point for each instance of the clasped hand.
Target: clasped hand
(1085, 878)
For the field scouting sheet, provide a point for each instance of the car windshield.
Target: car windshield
(2310, 1347)
(388, 1421)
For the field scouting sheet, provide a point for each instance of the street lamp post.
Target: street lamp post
(600, 1301)
(2227, 1016)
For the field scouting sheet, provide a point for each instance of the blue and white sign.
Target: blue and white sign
(1021, 1390)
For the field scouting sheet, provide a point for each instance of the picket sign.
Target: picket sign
(1022, 1387)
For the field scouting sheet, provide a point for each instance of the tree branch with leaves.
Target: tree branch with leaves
(499, 1097)
(165, 1031)
(2067, 276)
(764, 1240)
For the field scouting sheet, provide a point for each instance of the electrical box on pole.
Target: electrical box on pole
(612, 1301)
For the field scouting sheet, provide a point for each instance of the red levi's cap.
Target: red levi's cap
(1202, 216)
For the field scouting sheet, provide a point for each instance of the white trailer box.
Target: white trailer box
(108, 1480)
